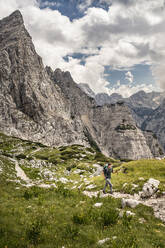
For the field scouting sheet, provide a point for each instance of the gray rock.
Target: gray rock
(129, 213)
(129, 203)
(101, 242)
(98, 204)
(150, 188)
(99, 170)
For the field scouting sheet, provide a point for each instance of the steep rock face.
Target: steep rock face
(118, 134)
(31, 105)
(156, 123)
(152, 141)
(103, 124)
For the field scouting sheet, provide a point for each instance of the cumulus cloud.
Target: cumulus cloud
(129, 76)
(130, 32)
(84, 5)
(128, 90)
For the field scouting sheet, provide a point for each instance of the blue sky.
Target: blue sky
(141, 73)
(113, 45)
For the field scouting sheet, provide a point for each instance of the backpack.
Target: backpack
(105, 170)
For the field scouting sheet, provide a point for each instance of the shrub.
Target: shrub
(109, 217)
(34, 231)
(70, 231)
(31, 192)
(80, 218)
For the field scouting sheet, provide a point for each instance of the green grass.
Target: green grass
(34, 217)
(48, 218)
(132, 173)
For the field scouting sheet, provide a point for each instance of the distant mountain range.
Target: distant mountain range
(47, 106)
(144, 107)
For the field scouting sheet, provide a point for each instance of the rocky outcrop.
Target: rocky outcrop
(155, 123)
(41, 105)
(85, 88)
(117, 134)
(152, 141)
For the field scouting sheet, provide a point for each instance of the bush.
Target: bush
(33, 232)
(31, 192)
(80, 218)
(109, 217)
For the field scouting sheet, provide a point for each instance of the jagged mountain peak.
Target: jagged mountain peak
(13, 19)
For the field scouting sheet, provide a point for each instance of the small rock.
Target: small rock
(98, 204)
(134, 185)
(141, 178)
(121, 213)
(91, 186)
(142, 220)
(63, 180)
(114, 237)
(91, 194)
(101, 242)
(74, 187)
(124, 184)
(79, 187)
(129, 213)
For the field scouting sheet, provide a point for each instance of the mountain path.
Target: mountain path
(158, 204)
(21, 174)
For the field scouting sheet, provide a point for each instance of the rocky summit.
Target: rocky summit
(49, 107)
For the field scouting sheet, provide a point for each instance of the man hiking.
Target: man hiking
(108, 169)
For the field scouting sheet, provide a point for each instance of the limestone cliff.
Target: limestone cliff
(110, 127)
(156, 123)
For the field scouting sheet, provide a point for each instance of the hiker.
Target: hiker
(108, 169)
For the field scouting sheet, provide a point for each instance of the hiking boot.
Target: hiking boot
(104, 192)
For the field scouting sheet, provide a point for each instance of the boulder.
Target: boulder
(149, 188)
(129, 203)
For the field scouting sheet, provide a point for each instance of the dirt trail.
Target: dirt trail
(29, 183)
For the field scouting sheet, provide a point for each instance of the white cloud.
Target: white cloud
(84, 5)
(128, 90)
(129, 33)
(129, 76)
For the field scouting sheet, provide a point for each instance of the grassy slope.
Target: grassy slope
(136, 172)
(43, 218)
